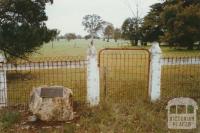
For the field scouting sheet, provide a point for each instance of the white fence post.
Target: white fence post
(3, 83)
(93, 86)
(155, 72)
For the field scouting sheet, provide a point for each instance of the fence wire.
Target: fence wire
(124, 77)
(181, 77)
(124, 74)
(24, 76)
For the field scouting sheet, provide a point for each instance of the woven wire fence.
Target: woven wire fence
(24, 76)
(180, 77)
(124, 75)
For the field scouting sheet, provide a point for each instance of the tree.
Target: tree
(117, 34)
(87, 37)
(108, 32)
(175, 22)
(22, 27)
(70, 36)
(152, 28)
(93, 24)
(131, 30)
(182, 20)
(55, 35)
(79, 37)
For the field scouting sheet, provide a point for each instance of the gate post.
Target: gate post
(155, 72)
(3, 83)
(93, 86)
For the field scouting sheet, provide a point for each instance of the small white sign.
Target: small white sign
(182, 113)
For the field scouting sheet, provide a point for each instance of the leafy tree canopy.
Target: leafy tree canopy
(182, 22)
(174, 21)
(93, 24)
(108, 31)
(152, 27)
(22, 27)
(117, 34)
(70, 36)
(131, 30)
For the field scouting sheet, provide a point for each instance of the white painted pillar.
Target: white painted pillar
(93, 86)
(155, 72)
(3, 83)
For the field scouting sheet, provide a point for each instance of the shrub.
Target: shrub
(8, 118)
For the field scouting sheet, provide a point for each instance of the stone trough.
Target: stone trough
(52, 103)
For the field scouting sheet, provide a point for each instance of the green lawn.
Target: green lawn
(74, 47)
(79, 48)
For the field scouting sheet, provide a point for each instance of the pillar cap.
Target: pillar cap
(155, 48)
(92, 51)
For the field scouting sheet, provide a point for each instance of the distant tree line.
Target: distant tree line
(97, 27)
(23, 27)
(176, 22)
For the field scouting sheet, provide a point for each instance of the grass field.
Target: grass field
(79, 48)
(74, 47)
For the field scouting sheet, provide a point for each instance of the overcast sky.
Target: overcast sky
(66, 15)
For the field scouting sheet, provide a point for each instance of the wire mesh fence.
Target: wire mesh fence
(124, 74)
(180, 77)
(23, 76)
